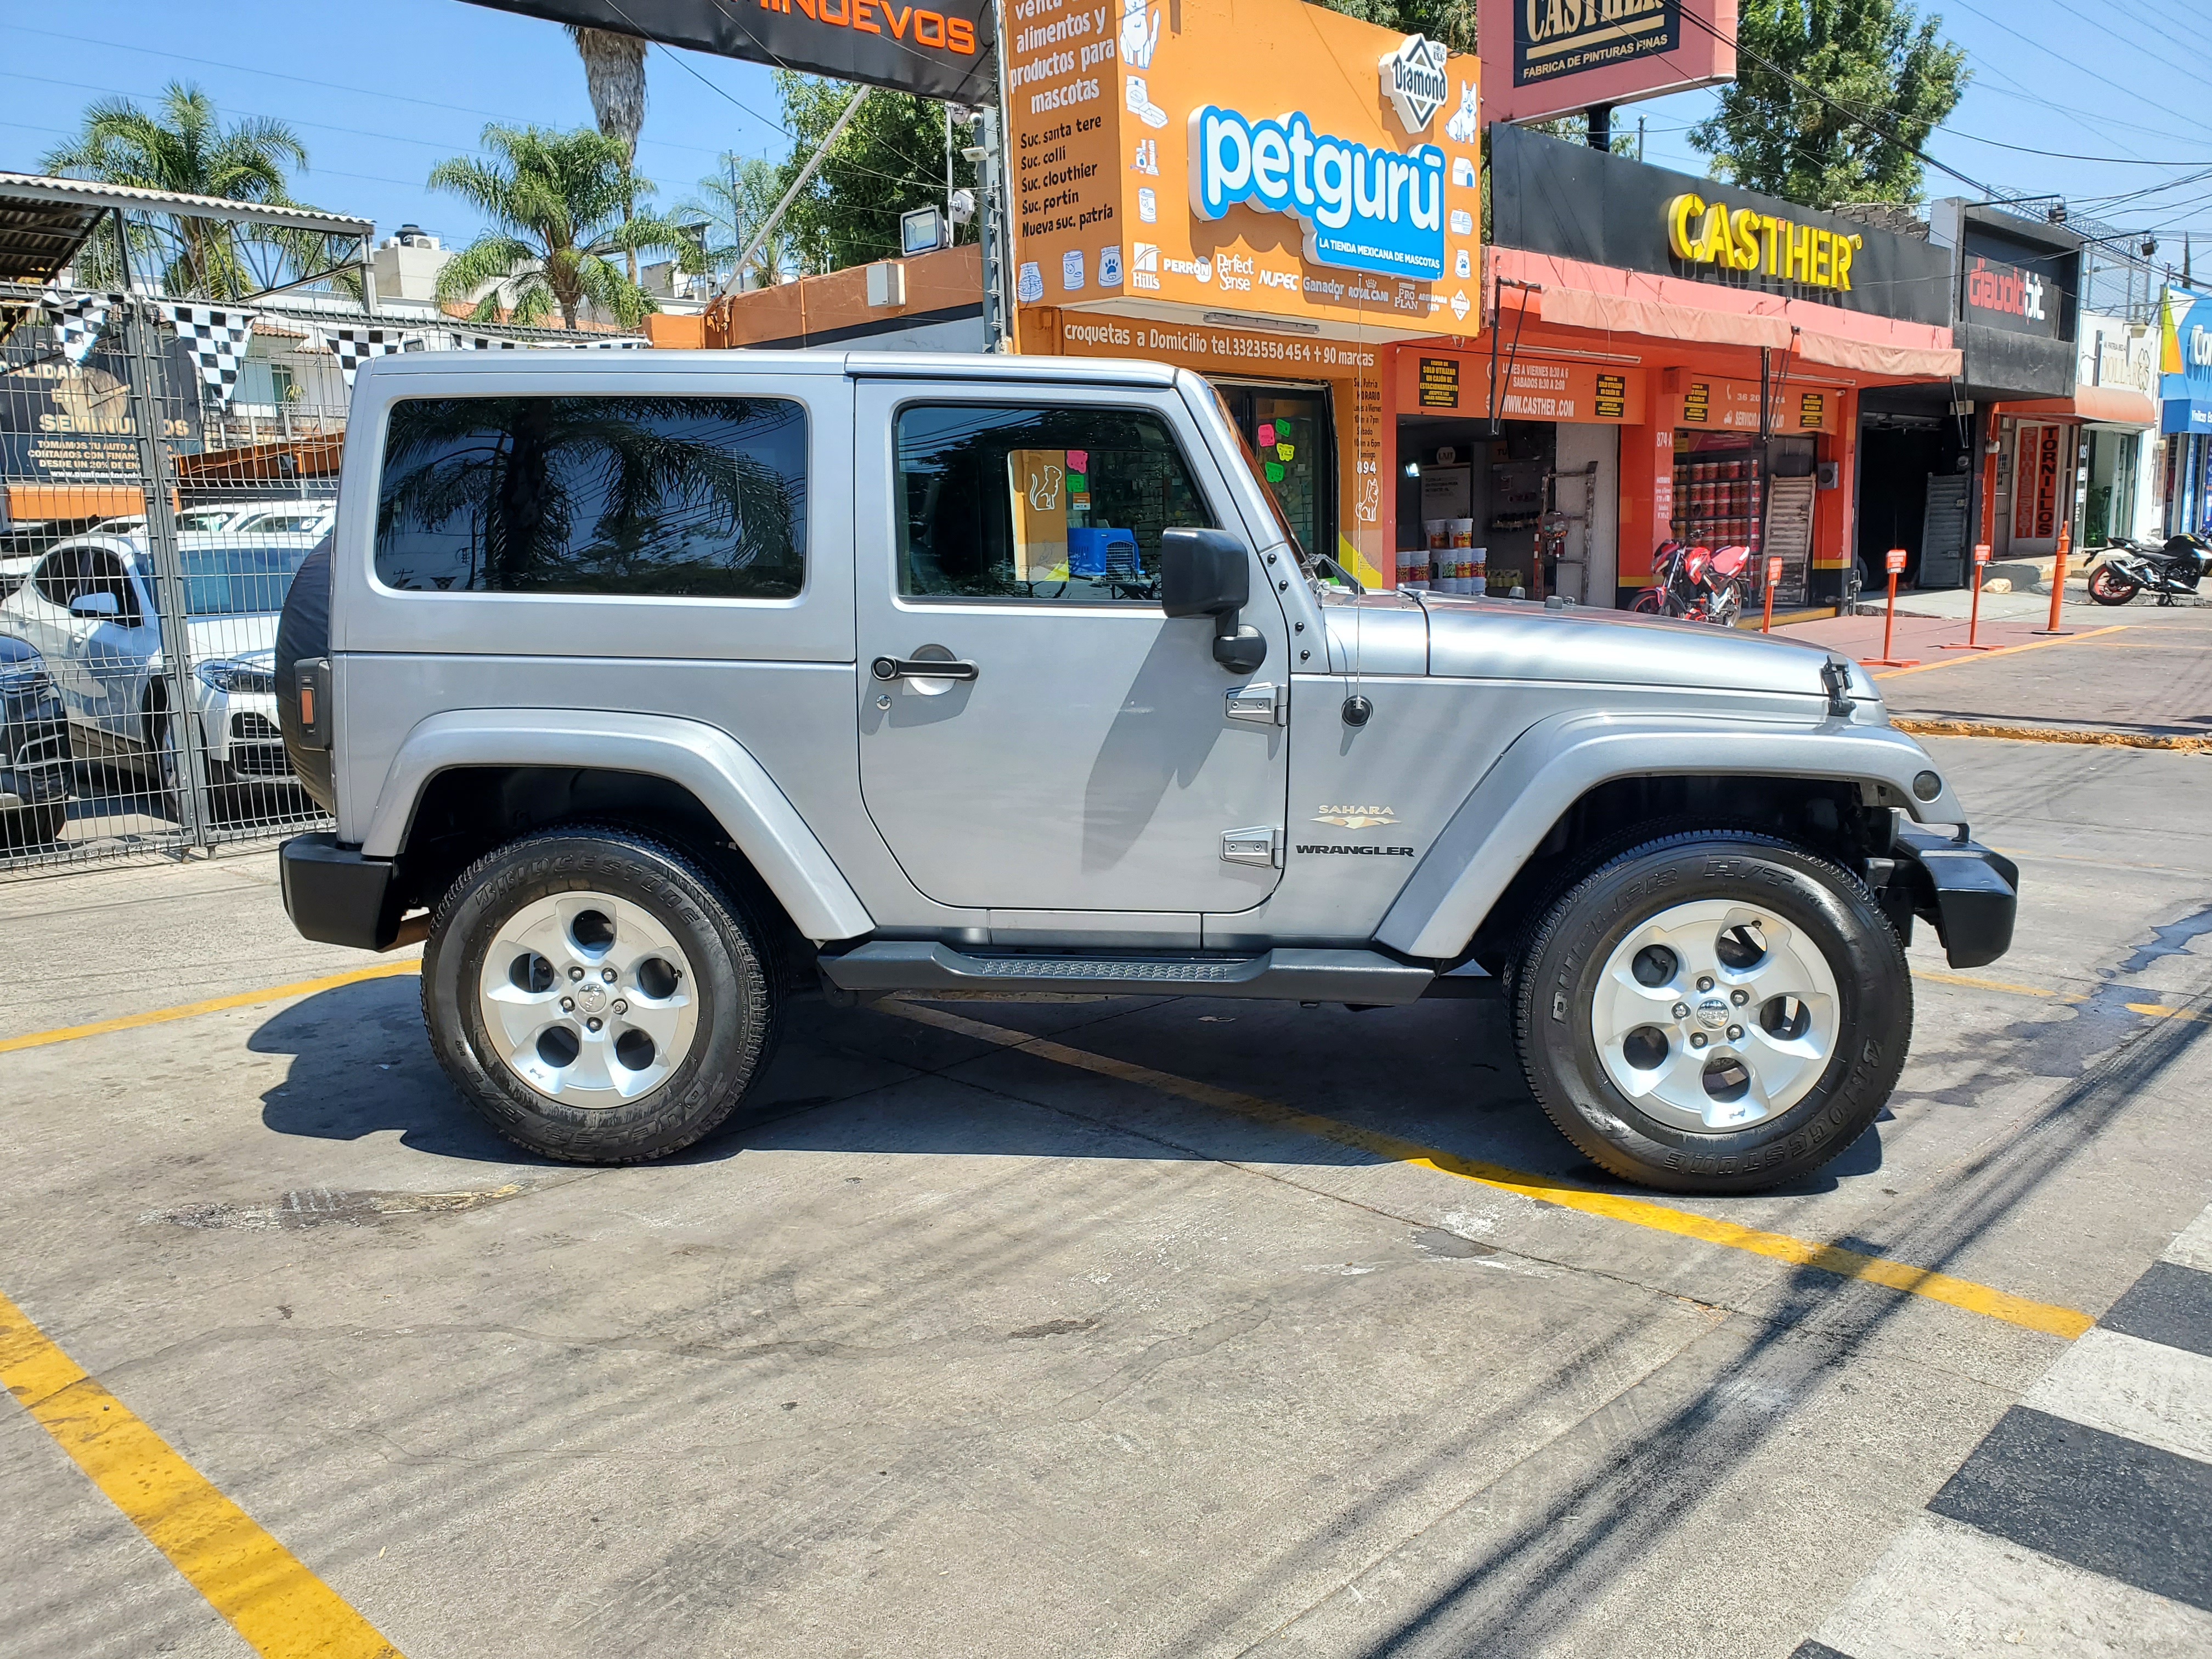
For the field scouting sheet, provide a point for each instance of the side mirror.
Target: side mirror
(1208, 573)
(95, 606)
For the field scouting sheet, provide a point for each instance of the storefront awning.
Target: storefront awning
(2108, 405)
(1900, 363)
(1621, 315)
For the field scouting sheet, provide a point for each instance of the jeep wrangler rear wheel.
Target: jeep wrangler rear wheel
(597, 996)
(1714, 1012)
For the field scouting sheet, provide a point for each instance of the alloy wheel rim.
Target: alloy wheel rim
(1711, 1016)
(588, 999)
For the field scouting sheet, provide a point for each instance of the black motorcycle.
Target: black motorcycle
(2130, 569)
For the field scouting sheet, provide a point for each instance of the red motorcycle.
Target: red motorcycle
(1697, 584)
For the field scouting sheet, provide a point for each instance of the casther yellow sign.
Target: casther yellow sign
(1710, 234)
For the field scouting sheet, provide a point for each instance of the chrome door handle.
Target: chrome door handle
(888, 669)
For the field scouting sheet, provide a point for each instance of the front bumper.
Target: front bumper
(1967, 892)
(336, 897)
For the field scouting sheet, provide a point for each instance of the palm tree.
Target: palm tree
(183, 146)
(734, 202)
(558, 203)
(614, 74)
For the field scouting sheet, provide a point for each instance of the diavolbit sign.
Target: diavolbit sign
(942, 49)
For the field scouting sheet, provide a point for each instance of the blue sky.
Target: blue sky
(379, 93)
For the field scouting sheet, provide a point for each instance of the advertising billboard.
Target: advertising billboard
(1569, 55)
(940, 51)
(2186, 360)
(1551, 196)
(1205, 159)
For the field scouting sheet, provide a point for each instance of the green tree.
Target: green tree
(890, 159)
(1876, 59)
(1451, 22)
(556, 201)
(732, 204)
(182, 145)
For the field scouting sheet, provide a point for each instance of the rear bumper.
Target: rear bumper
(1968, 892)
(336, 897)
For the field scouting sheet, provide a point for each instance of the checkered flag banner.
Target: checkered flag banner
(77, 322)
(354, 346)
(482, 343)
(496, 343)
(217, 336)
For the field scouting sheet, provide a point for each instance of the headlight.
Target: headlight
(227, 675)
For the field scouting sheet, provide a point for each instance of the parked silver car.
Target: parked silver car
(649, 692)
(90, 608)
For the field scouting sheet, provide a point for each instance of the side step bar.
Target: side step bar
(1291, 974)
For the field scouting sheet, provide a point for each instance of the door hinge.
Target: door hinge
(1262, 845)
(1263, 704)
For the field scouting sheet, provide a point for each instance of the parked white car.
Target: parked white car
(90, 608)
(288, 514)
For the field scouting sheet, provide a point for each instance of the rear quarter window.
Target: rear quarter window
(654, 496)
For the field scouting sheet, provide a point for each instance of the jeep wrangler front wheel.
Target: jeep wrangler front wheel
(597, 996)
(1714, 1012)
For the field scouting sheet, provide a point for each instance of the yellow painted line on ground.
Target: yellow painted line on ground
(2094, 739)
(2161, 1011)
(212, 1005)
(1637, 1211)
(282, 1609)
(1997, 985)
(2002, 651)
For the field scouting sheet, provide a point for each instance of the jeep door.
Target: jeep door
(1082, 751)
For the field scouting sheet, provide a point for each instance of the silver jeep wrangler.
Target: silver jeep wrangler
(652, 691)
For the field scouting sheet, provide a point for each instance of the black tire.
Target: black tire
(34, 826)
(738, 1005)
(1831, 909)
(1648, 604)
(2108, 587)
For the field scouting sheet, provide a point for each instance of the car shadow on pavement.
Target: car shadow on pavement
(861, 1080)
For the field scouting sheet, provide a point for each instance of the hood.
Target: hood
(1516, 640)
(230, 639)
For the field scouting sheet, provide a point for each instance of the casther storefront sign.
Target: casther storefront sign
(1566, 199)
(1568, 55)
(942, 49)
(1551, 38)
(2015, 282)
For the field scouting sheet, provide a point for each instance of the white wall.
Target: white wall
(1578, 445)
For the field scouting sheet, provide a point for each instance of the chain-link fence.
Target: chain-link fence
(165, 468)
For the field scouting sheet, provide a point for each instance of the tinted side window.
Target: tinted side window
(999, 500)
(674, 497)
(61, 576)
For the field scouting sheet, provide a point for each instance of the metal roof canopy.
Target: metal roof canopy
(44, 222)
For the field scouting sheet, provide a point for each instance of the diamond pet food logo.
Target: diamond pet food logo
(1414, 82)
(1363, 208)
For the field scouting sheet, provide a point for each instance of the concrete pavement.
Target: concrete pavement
(959, 1344)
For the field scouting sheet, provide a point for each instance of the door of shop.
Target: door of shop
(1290, 430)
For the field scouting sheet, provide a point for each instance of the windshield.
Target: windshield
(1259, 478)
(236, 582)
